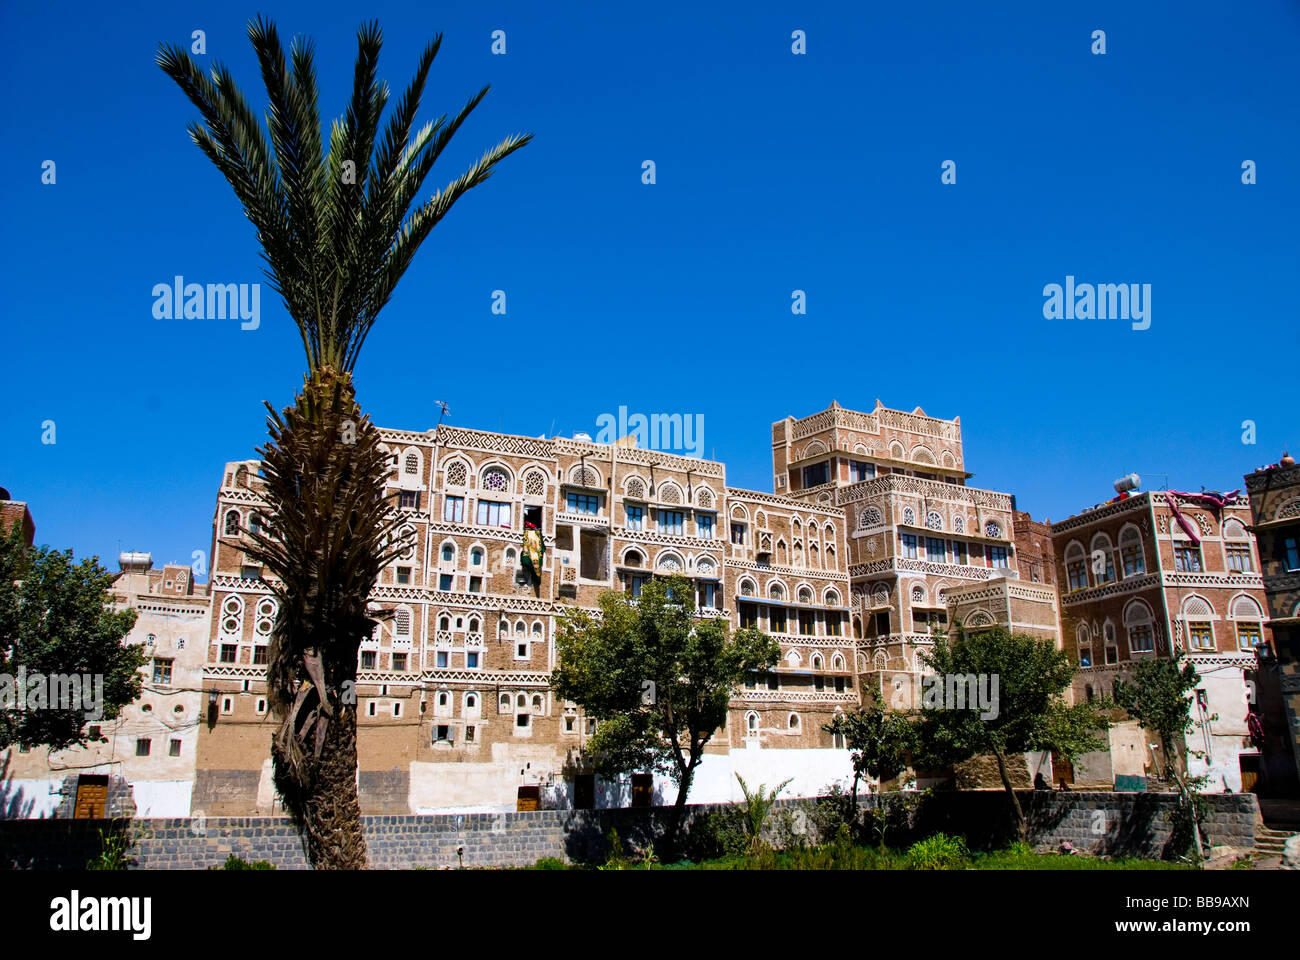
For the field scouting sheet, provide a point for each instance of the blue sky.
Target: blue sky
(775, 173)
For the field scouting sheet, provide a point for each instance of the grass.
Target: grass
(934, 853)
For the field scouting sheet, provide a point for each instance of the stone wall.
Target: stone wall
(1111, 823)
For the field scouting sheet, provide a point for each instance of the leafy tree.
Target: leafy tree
(1031, 711)
(880, 743)
(337, 233)
(54, 619)
(694, 664)
(1159, 697)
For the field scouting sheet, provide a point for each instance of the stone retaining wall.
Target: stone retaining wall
(1132, 824)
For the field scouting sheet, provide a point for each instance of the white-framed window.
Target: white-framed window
(493, 513)
(1140, 624)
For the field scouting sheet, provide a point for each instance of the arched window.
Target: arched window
(1102, 559)
(403, 621)
(232, 523)
(495, 479)
(909, 516)
(832, 598)
(1139, 624)
(471, 701)
(633, 559)
(1076, 566)
(751, 723)
(537, 629)
(443, 698)
(535, 484)
(993, 530)
(793, 722)
(254, 522)
(473, 626)
(805, 595)
(412, 467)
(775, 590)
(1249, 623)
(476, 557)
(521, 701)
(448, 552)
(837, 662)
(1237, 552)
(817, 662)
(1083, 642)
(444, 623)
(933, 520)
(1131, 555)
(503, 703)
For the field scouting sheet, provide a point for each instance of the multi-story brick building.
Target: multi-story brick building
(453, 689)
(146, 762)
(915, 531)
(1275, 506)
(1160, 574)
(15, 512)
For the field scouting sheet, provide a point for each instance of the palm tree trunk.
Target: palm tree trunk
(332, 821)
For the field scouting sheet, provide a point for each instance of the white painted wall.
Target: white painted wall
(30, 799)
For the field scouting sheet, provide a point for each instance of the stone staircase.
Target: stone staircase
(1269, 842)
(1281, 822)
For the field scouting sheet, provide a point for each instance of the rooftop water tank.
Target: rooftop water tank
(135, 562)
(1128, 483)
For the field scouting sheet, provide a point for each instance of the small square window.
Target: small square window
(471, 661)
(440, 659)
(259, 654)
(475, 584)
(521, 719)
(469, 734)
(399, 663)
(229, 653)
(442, 733)
(174, 748)
(397, 709)
(521, 650)
(367, 659)
(404, 575)
(370, 709)
(142, 747)
(227, 704)
(444, 582)
(261, 705)
(570, 724)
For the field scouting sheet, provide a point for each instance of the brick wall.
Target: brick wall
(1113, 823)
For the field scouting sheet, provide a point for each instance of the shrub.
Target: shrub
(939, 852)
(550, 863)
(237, 863)
(114, 852)
(755, 809)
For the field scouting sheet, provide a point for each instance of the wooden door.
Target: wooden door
(1249, 771)
(92, 798)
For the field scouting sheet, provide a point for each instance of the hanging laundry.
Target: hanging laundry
(534, 550)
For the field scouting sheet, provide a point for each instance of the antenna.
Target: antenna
(444, 409)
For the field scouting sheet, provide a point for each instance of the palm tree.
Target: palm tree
(337, 233)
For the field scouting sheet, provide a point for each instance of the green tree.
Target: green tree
(694, 664)
(1031, 713)
(1159, 697)
(337, 232)
(880, 744)
(55, 619)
